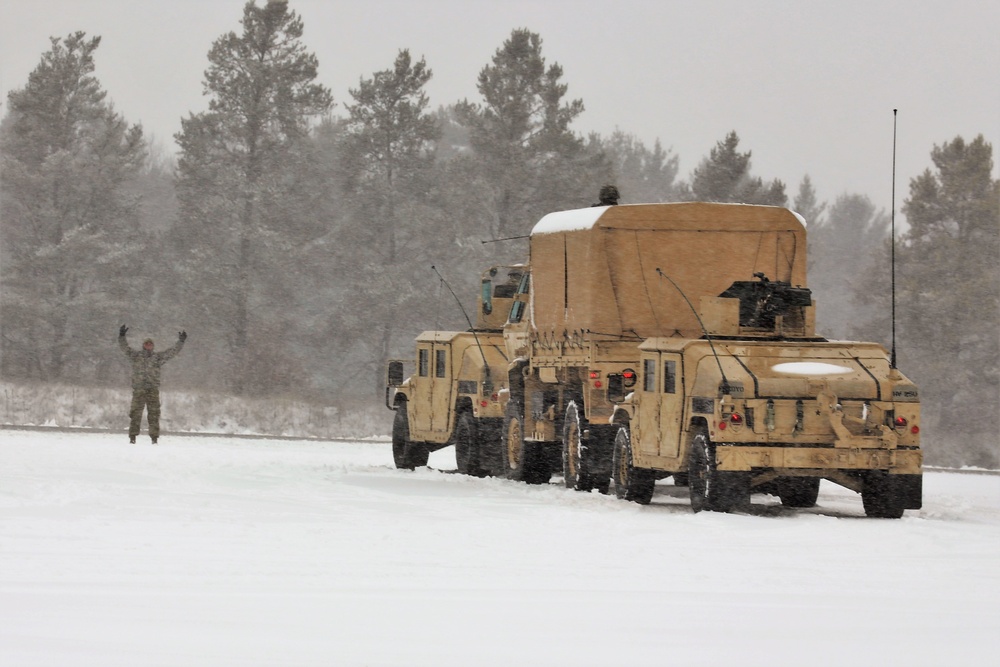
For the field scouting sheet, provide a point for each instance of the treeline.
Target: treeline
(293, 238)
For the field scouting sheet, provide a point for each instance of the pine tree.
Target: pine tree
(643, 175)
(389, 157)
(74, 260)
(841, 246)
(236, 182)
(724, 176)
(948, 301)
(528, 158)
(807, 205)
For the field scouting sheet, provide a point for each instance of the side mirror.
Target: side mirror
(394, 374)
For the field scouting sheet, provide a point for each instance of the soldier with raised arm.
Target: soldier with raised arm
(146, 381)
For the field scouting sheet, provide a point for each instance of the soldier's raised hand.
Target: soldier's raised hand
(121, 332)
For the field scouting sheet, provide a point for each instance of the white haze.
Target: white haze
(809, 87)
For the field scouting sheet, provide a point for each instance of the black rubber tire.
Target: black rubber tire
(523, 461)
(406, 453)
(880, 497)
(575, 475)
(631, 483)
(709, 488)
(467, 445)
(798, 491)
(488, 437)
(600, 456)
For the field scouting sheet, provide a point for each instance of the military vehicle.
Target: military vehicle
(759, 403)
(600, 282)
(452, 397)
(606, 299)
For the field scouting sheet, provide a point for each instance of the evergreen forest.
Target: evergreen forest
(292, 235)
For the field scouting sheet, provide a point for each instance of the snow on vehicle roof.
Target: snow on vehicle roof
(810, 368)
(585, 218)
(568, 221)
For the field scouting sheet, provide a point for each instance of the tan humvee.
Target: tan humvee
(452, 395)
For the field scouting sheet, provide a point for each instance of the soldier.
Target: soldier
(146, 382)
(608, 196)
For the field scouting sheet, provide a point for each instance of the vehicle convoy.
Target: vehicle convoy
(606, 370)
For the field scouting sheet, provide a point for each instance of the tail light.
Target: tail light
(736, 418)
(899, 423)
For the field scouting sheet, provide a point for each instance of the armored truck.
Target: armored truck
(759, 403)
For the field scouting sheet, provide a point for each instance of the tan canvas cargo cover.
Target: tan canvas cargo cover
(595, 269)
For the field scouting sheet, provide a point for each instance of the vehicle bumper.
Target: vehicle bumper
(745, 458)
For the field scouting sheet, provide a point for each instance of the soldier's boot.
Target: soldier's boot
(131, 439)
(153, 439)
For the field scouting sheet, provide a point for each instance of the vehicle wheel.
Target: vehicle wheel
(574, 475)
(880, 496)
(600, 456)
(406, 454)
(631, 483)
(522, 461)
(798, 491)
(709, 488)
(490, 455)
(467, 445)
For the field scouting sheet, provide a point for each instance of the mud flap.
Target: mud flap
(909, 489)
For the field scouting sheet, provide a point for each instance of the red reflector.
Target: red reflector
(722, 426)
(915, 430)
(597, 383)
(736, 418)
(900, 422)
(483, 403)
(495, 397)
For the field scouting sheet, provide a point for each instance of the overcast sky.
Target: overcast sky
(808, 86)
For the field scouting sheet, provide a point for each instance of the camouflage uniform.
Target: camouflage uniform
(146, 384)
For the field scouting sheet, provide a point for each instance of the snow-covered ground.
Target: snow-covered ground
(212, 551)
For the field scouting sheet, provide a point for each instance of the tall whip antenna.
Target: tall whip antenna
(726, 388)
(892, 242)
(472, 329)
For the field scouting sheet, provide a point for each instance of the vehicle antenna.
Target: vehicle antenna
(472, 329)
(509, 238)
(892, 243)
(708, 336)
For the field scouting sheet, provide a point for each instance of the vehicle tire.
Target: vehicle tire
(406, 454)
(488, 437)
(631, 483)
(880, 496)
(600, 456)
(574, 474)
(521, 460)
(467, 445)
(798, 491)
(709, 488)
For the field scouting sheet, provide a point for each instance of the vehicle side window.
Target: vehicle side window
(517, 308)
(648, 375)
(439, 361)
(669, 377)
(423, 362)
